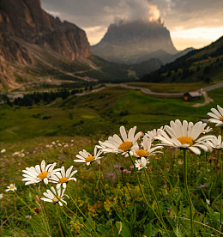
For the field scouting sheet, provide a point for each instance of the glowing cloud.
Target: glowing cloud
(154, 13)
(134, 10)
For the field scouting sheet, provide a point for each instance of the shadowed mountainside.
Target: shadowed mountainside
(26, 29)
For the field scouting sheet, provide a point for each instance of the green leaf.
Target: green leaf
(102, 229)
(90, 223)
(123, 230)
(148, 230)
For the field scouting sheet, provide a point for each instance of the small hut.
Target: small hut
(192, 96)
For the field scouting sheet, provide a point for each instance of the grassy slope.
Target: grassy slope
(98, 114)
(171, 88)
(197, 65)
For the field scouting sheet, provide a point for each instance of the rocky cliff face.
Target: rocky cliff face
(26, 20)
(130, 42)
(23, 23)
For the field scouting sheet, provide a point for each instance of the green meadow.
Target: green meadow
(99, 113)
(112, 198)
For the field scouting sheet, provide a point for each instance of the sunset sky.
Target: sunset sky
(192, 23)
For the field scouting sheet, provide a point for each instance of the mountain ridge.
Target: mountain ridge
(24, 25)
(129, 42)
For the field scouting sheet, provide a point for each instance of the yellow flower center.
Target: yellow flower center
(204, 131)
(43, 175)
(186, 140)
(12, 187)
(56, 199)
(140, 165)
(63, 180)
(125, 146)
(221, 119)
(90, 158)
(142, 153)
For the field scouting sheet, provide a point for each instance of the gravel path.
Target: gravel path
(170, 95)
(147, 91)
(207, 100)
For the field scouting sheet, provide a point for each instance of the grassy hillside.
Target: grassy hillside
(204, 65)
(98, 113)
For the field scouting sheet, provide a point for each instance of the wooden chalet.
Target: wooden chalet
(192, 96)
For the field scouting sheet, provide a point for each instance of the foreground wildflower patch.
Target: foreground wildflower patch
(150, 195)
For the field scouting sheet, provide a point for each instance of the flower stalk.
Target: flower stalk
(146, 201)
(187, 190)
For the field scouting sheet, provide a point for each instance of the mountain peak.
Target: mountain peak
(126, 41)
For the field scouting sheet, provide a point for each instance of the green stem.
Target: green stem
(143, 195)
(97, 178)
(81, 212)
(71, 210)
(221, 200)
(24, 202)
(187, 190)
(206, 161)
(153, 191)
(58, 220)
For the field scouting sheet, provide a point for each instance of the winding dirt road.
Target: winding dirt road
(147, 91)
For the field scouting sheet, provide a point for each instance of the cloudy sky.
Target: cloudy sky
(192, 23)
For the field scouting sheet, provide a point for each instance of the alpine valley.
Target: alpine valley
(38, 50)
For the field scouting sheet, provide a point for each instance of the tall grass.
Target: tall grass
(113, 198)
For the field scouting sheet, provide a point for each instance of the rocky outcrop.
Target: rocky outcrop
(7, 77)
(26, 20)
(13, 51)
(23, 23)
(133, 41)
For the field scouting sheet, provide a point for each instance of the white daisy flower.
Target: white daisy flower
(21, 155)
(55, 196)
(146, 149)
(185, 136)
(217, 116)
(1, 195)
(151, 134)
(39, 173)
(101, 145)
(115, 144)
(16, 153)
(3, 151)
(141, 163)
(11, 187)
(86, 157)
(206, 130)
(216, 143)
(62, 177)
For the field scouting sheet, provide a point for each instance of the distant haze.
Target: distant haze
(192, 23)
